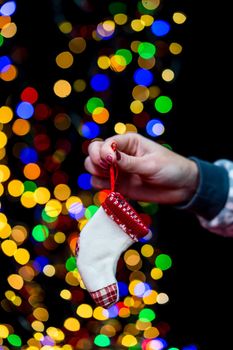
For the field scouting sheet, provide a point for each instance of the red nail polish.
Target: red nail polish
(103, 164)
(109, 159)
(118, 155)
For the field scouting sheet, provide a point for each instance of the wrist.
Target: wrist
(191, 182)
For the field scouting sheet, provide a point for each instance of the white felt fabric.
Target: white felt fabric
(101, 243)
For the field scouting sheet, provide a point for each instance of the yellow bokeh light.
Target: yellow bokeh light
(4, 331)
(22, 256)
(147, 20)
(137, 25)
(49, 270)
(66, 294)
(59, 237)
(72, 278)
(15, 188)
(15, 281)
(1, 189)
(3, 139)
(100, 313)
(136, 107)
(168, 75)
(5, 230)
(72, 324)
(64, 59)
(134, 45)
(131, 257)
(53, 208)
(2, 153)
(28, 200)
(129, 340)
(62, 192)
(179, 17)
(41, 314)
(120, 18)
(9, 247)
(120, 128)
(6, 114)
(175, 48)
(65, 27)
(150, 333)
(62, 88)
(147, 250)
(150, 297)
(4, 173)
(104, 62)
(84, 311)
(42, 195)
(151, 4)
(156, 273)
(38, 326)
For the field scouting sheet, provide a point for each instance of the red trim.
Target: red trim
(119, 210)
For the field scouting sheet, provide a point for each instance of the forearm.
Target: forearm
(213, 200)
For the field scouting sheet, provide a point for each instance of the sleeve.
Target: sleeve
(213, 200)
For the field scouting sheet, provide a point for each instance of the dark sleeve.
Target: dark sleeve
(212, 192)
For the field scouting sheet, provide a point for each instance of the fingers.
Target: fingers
(94, 169)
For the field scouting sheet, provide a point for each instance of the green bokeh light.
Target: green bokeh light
(71, 264)
(29, 186)
(102, 340)
(126, 54)
(93, 103)
(147, 315)
(40, 233)
(163, 261)
(163, 104)
(14, 340)
(90, 211)
(146, 50)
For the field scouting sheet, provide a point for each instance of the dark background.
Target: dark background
(199, 284)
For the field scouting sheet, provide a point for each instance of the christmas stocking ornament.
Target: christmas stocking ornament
(112, 229)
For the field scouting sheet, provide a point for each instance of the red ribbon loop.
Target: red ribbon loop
(113, 170)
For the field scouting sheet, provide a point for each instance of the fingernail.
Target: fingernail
(118, 155)
(104, 164)
(109, 159)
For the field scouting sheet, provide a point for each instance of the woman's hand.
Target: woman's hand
(148, 171)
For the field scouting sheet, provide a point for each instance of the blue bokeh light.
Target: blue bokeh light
(25, 110)
(100, 82)
(8, 8)
(143, 77)
(90, 130)
(160, 28)
(28, 155)
(84, 181)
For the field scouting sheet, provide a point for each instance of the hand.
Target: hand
(148, 171)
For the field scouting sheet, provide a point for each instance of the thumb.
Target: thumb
(129, 164)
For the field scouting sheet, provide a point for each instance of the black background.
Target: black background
(200, 283)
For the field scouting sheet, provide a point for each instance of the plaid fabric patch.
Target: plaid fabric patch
(106, 296)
